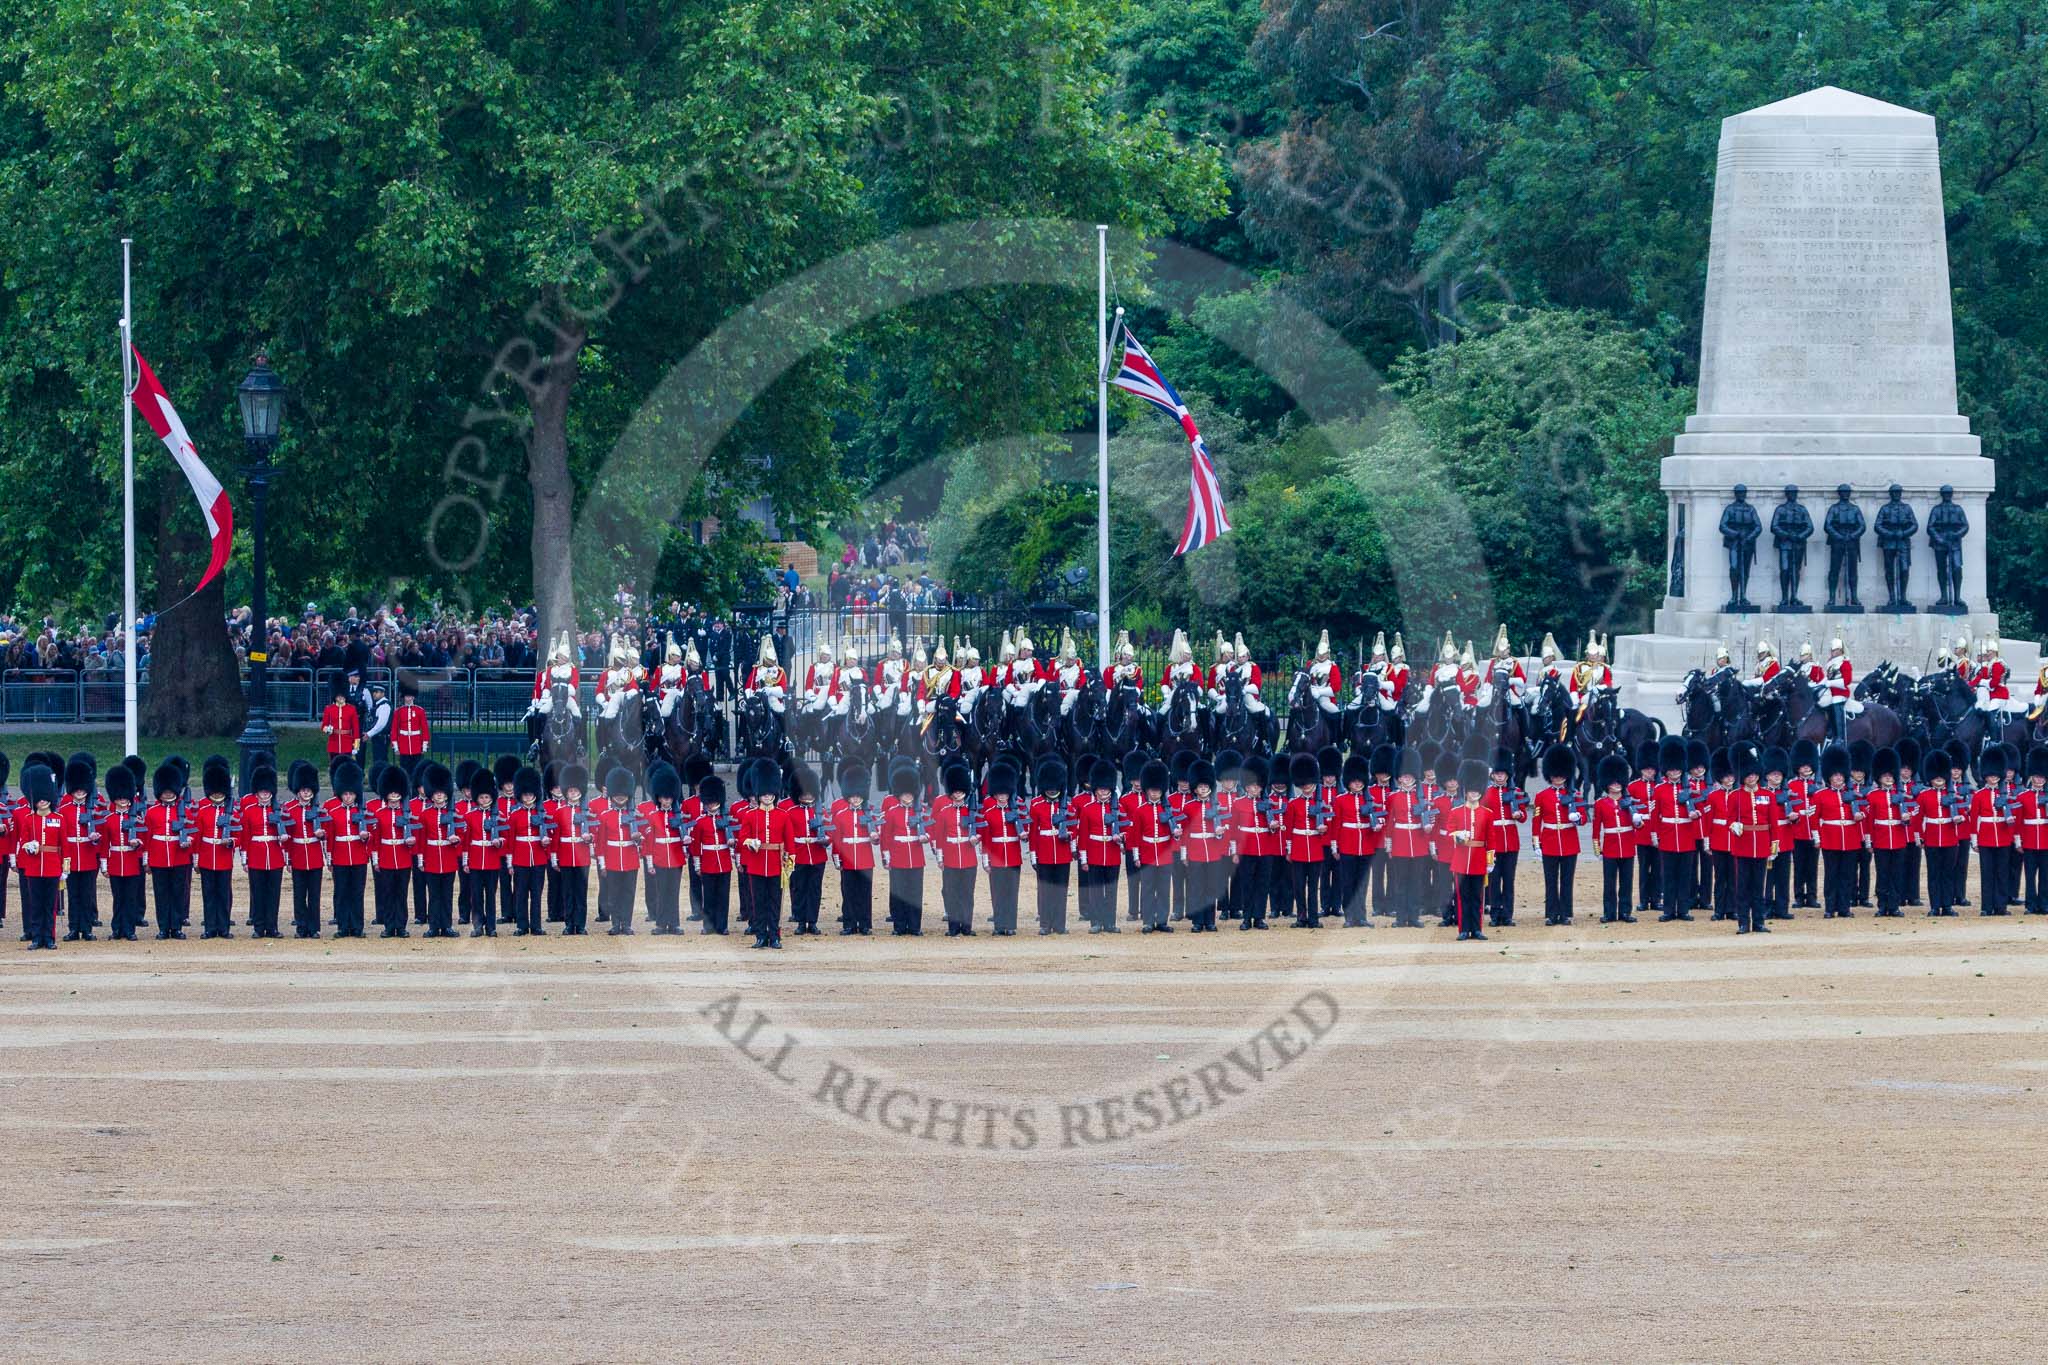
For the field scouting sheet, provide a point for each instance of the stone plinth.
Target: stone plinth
(1827, 357)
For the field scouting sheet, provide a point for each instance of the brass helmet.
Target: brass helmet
(939, 656)
(1448, 651)
(672, 652)
(848, 652)
(1007, 650)
(1548, 651)
(1323, 647)
(1180, 652)
(1068, 653)
(766, 656)
(1125, 653)
(1765, 649)
(1400, 654)
(1596, 648)
(1379, 646)
(1224, 652)
(1501, 648)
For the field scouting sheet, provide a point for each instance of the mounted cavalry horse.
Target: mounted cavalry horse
(1235, 726)
(1609, 728)
(1714, 708)
(1182, 724)
(1310, 729)
(557, 737)
(1787, 711)
(1365, 723)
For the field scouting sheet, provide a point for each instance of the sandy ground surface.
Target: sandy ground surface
(1648, 1141)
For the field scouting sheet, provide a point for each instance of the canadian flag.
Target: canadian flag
(155, 406)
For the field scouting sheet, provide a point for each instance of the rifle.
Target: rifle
(1576, 807)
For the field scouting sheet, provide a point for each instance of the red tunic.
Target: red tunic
(304, 850)
(1351, 829)
(410, 733)
(708, 847)
(344, 727)
(1760, 818)
(954, 843)
(1675, 831)
(901, 848)
(1467, 856)
(1257, 834)
(1303, 832)
(572, 843)
(618, 846)
(483, 851)
(262, 837)
(1150, 835)
(1615, 830)
(1987, 826)
(1840, 829)
(389, 841)
(661, 839)
(804, 834)
(1404, 832)
(438, 840)
(1506, 836)
(81, 836)
(348, 839)
(1049, 848)
(39, 847)
(1936, 827)
(2032, 813)
(213, 839)
(1886, 819)
(1099, 848)
(1806, 824)
(528, 840)
(1717, 819)
(852, 845)
(1557, 824)
(1001, 845)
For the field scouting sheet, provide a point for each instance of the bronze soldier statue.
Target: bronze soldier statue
(1844, 528)
(1947, 524)
(1896, 527)
(1740, 527)
(1791, 528)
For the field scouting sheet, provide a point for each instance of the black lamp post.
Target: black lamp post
(261, 396)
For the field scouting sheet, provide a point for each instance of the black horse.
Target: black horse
(1609, 728)
(761, 732)
(621, 739)
(1715, 708)
(558, 736)
(1309, 727)
(1237, 727)
(1364, 723)
(1183, 724)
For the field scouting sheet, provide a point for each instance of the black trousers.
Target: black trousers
(857, 899)
(348, 899)
(1407, 884)
(1468, 899)
(39, 910)
(1945, 871)
(1616, 899)
(956, 894)
(1994, 873)
(664, 899)
(1304, 890)
(527, 898)
(1724, 884)
(1002, 895)
(906, 900)
(483, 902)
(1703, 878)
(129, 911)
(216, 902)
(696, 895)
(265, 886)
(553, 893)
(1557, 887)
(806, 895)
(420, 910)
(765, 895)
(615, 891)
(389, 884)
(1098, 896)
(1500, 886)
(1889, 873)
(1863, 877)
(1354, 875)
(1648, 892)
(1254, 887)
(3, 890)
(1180, 890)
(81, 902)
(440, 902)
(1749, 904)
(1052, 896)
(717, 888)
(575, 898)
(1155, 893)
(1912, 875)
(745, 891)
(171, 888)
(1207, 883)
(1805, 877)
(2033, 861)
(1674, 881)
(465, 895)
(1778, 886)
(1838, 869)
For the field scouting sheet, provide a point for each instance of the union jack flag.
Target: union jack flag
(1206, 518)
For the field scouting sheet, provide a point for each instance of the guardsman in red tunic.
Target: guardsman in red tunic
(1355, 838)
(1125, 671)
(262, 840)
(1151, 839)
(809, 843)
(1642, 797)
(617, 851)
(1675, 831)
(761, 854)
(956, 841)
(1467, 836)
(485, 835)
(437, 847)
(1099, 831)
(1559, 816)
(1618, 821)
(39, 854)
(347, 829)
(121, 839)
(213, 852)
(410, 733)
(902, 851)
(1407, 843)
(1992, 680)
(1805, 825)
(1305, 833)
(78, 807)
(391, 836)
(572, 824)
(1002, 845)
(1052, 848)
(1205, 847)
(711, 853)
(1993, 824)
(853, 850)
(1838, 819)
(1509, 806)
(661, 848)
(1754, 820)
(1256, 840)
(305, 849)
(1887, 828)
(1940, 822)
(2030, 815)
(1720, 852)
(343, 726)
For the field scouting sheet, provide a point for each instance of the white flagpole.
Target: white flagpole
(1102, 340)
(129, 643)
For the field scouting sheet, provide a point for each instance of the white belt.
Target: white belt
(1569, 824)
